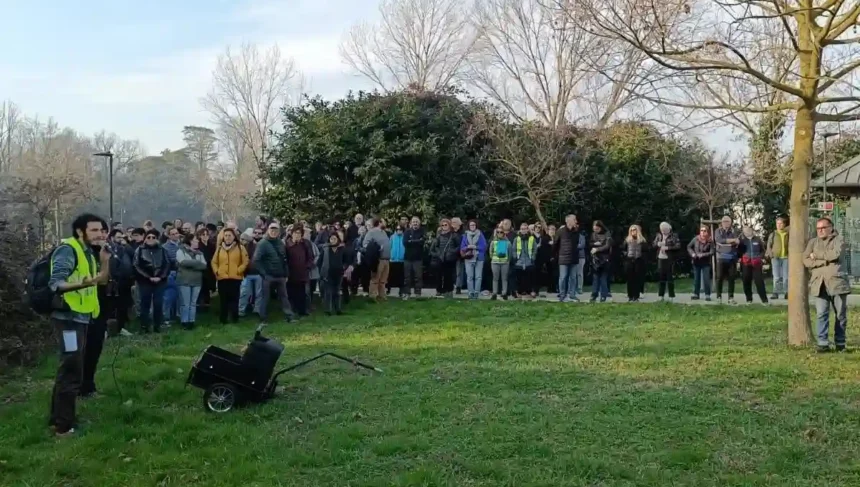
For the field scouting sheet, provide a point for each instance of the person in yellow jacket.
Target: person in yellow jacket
(229, 263)
(777, 252)
(75, 274)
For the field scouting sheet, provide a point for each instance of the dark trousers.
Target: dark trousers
(445, 277)
(360, 275)
(331, 294)
(298, 297)
(545, 275)
(67, 384)
(228, 293)
(512, 280)
(395, 277)
(413, 278)
(634, 272)
(95, 343)
(206, 289)
(664, 274)
(552, 275)
(726, 270)
(750, 273)
(525, 280)
(151, 297)
(117, 307)
(344, 290)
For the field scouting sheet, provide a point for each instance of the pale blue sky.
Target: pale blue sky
(139, 68)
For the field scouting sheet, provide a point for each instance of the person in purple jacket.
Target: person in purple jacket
(473, 248)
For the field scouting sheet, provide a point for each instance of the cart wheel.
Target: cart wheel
(219, 397)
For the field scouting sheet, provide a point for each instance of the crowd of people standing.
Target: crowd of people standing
(100, 274)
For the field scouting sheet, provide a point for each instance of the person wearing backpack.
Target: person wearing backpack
(69, 289)
(381, 263)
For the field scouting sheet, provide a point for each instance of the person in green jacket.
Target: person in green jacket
(270, 260)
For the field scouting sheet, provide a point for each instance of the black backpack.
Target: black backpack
(38, 294)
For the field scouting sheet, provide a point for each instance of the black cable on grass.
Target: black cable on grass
(113, 370)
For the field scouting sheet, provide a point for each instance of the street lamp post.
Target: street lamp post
(109, 155)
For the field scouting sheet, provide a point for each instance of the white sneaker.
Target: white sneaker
(125, 333)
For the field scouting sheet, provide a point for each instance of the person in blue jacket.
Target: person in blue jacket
(473, 248)
(398, 253)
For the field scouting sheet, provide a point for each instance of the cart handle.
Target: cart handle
(258, 331)
(326, 354)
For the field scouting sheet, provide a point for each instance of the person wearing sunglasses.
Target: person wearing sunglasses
(151, 266)
(825, 257)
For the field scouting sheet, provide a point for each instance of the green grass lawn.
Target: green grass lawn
(472, 394)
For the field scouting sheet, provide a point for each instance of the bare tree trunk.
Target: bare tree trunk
(536, 205)
(57, 220)
(41, 232)
(713, 257)
(798, 303)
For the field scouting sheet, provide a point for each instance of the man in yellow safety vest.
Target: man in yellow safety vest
(74, 276)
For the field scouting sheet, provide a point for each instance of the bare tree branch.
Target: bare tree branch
(10, 119)
(537, 159)
(709, 42)
(249, 87)
(418, 44)
(126, 152)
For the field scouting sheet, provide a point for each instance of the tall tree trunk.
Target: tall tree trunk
(798, 302)
(809, 57)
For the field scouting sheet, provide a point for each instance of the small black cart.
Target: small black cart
(229, 379)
